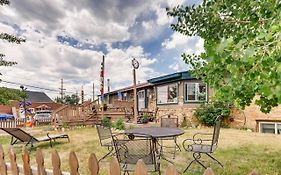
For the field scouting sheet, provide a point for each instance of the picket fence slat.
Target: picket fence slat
(171, 170)
(93, 164)
(114, 168)
(73, 163)
(209, 171)
(3, 167)
(26, 162)
(140, 168)
(13, 160)
(56, 163)
(40, 162)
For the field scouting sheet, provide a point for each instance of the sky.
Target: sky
(66, 39)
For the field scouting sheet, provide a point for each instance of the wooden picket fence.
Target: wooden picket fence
(93, 166)
(11, 123)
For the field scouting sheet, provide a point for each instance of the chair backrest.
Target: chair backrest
(19, 134)
(105, 135)
(169, 121)
(216, 132)
(129, 151)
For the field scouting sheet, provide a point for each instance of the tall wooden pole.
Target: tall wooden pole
(102, 86)
(93, 92)
(108, 90)
(135, 98)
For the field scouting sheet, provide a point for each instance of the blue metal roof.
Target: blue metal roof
(186, 75)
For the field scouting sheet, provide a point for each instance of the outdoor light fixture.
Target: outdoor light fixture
(135, 63)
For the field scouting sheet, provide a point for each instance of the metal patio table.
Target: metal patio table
(156, 133)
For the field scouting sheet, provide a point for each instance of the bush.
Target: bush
(145, 118)
(120, 124)
(207, 113)
(106, 122)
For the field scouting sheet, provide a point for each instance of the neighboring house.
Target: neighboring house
(40, 102)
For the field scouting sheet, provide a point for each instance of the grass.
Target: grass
(240, 151)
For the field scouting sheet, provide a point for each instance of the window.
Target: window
(195, 92)
(167, 94)
(270, 127)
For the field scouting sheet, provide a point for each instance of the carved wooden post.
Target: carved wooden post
(26, 162)
(13, 159)
(253, 173)
(114, 167)
(171, 170)
(40, 162)
(73, 163)
(3, 167)
(93, 164)
(209, 171)
(56, 163)
(140, 168)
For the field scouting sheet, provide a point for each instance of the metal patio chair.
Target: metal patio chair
(129, 151)
(204, 143)
(170, 121)
(105, 137)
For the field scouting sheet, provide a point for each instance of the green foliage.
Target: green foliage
(106, 122)
(10, 94)
(207, 113)
(69, 100)
(242, 41)
(145, 118)
(4, 2)
(120, 124)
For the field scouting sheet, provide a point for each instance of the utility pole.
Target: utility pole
(135, 65)
(108, 90)
(61, 89)
(93, 92)
(82, 95)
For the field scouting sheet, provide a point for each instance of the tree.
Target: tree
(242, 42)
(8, 94)
(68, 99)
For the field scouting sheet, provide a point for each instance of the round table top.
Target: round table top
(155, 132)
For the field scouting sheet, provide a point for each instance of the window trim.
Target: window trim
(266, 122)
(196, 92)
(168, 103)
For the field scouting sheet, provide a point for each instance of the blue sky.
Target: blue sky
(67, 38)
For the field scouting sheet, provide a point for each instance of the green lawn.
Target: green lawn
(240, 151)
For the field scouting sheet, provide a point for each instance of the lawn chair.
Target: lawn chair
(170, 121)
(20, 136)
(129, 151)
(205, 145)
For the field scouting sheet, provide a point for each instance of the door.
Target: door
(141, 100)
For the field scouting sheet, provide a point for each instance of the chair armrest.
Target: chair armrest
(201, 134)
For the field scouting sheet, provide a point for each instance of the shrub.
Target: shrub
(207, 113)
(183, 123)
(145, 118)
(120, 124)
(106, 122)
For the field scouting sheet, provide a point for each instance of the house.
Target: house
(180, 93)
(39, 102)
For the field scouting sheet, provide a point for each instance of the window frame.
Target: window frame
(275, 126)
(168, 103)
(185, 92)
